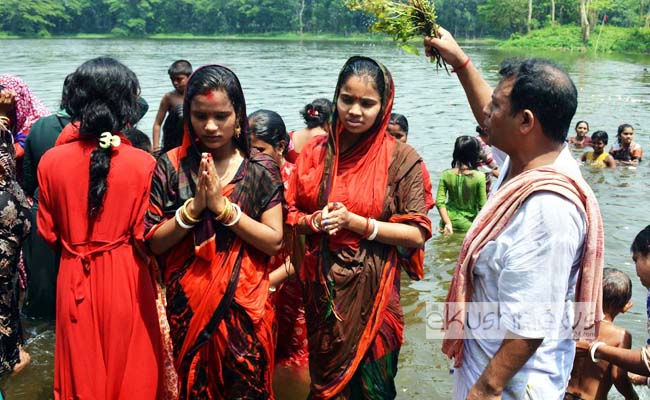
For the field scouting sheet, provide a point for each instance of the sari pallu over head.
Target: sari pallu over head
(359, 179)
(28, 107)
(204, 271)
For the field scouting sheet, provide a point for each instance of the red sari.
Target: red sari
(217, 285)
(108, 340)
(351, 285)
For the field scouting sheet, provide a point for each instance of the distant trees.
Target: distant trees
(465, 18)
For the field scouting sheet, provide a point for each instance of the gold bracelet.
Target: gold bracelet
(186, 213)
(226, 209)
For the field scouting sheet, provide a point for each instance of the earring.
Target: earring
(237, 131)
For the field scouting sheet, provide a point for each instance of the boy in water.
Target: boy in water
(592, 381)
(172, 106)
(599, 158)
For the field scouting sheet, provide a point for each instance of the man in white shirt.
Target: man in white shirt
(536, 258)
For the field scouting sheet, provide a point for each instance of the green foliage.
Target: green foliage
(612, 39)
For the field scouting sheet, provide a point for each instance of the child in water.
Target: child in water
(461, 191)
(626, 151)
(171, 106)
(598, 158)
(594, 380)
(636, 361)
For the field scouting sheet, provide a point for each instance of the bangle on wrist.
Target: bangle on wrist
(186, 214)
(366, 230)
(462, 66)
(592, 350)
(375, 229)
(226, 213)
(313, 224)
(179, 219)
(237, 217)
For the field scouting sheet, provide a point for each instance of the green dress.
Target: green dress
(462, 195)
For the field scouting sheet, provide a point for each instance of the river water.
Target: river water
(283, 76)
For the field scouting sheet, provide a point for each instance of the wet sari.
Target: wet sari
(351, 285)
(217, 285)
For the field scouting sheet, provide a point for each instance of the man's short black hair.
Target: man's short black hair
(546, 90)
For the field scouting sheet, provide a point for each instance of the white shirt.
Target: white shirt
(535, 260)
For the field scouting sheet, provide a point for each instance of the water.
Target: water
(284, 76)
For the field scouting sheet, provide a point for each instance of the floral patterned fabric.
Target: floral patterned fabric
(14, 228)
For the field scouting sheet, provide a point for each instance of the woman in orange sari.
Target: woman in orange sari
(214, 218)
(357, 195)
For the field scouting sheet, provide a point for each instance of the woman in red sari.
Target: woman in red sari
(93, 196)
(357, 195)
(214, 218)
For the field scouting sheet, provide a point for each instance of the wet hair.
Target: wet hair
(600, 135)
(217, 77)
(317, 113)
(546, 90)
(620, 130)
(481, 131)
(641, 243)
(617, 289)
(581, 122)
(138, 139)
(365, 67)
(401, 121)
(182, 67)
(467, 150)
(104, 99)
(268, 126)
(66, 92)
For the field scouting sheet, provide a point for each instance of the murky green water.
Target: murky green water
(284, 76)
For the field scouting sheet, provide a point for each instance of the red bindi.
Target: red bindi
(209, 94)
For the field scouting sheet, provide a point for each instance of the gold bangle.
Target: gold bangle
(227, 205)
(186, 213)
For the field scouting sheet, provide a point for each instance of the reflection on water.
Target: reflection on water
(284, 76)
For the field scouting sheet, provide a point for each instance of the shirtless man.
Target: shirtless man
(592, 381)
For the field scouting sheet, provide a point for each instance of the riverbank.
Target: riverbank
(606, 39)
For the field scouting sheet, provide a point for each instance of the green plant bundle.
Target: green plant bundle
(402, 20)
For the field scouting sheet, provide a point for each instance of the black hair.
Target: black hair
(180, 67)
(401, 121)
(481, 131)
(317, 113)
(641, 243)
(581, 122)
(546, 90)
(363, 66)
(268, 126)
(65, 93)
(467, 151)
(621, 128)
(104, 99)
(617, 289)
(217, 77)
(138, 139)
(600, 135)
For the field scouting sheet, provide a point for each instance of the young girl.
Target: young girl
(357, 195)
(581, 139)
(214, 218)
(598, 158)
(316, 115)
(626, 151)
(291, 375)
(461, 191)
(93, 195)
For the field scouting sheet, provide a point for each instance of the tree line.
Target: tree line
(465, 18)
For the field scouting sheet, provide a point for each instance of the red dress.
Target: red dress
(108, 340)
